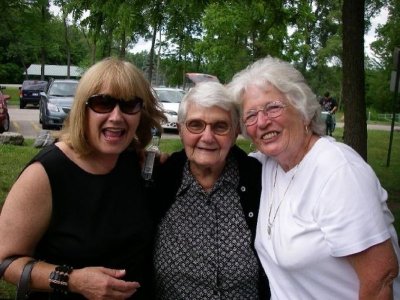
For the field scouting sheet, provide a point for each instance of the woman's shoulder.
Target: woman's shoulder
(47, 157)
(329, 155)
(172, 168)
(259, 156)
(48, 153)
(333, 150)
(175, 161)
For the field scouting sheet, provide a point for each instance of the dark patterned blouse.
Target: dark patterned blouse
(203, 246)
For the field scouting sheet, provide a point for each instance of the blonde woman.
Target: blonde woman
(77, 213)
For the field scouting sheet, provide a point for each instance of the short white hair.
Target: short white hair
(209, 94)
(289, 81)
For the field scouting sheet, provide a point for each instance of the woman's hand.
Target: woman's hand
(101, 283)
(163, 157)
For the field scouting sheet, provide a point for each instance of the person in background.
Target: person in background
(329, 105)
(78, 210)
(208, 199)
(324, 229)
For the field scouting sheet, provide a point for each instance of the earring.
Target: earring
(306, 129)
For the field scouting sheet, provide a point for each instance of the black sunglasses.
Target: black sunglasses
(103, 104)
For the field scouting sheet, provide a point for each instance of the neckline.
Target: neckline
(82, 169)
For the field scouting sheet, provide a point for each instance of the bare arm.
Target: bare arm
(25, 217)
(26, 212)
(376, 269)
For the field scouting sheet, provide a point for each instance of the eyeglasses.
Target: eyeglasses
(103, 104)
(197, 126)
(271, 110)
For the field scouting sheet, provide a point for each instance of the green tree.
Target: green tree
(10, 62)
(22, 46)
(66, 9)
(110, 27)
(182, 28)
(237, 33)
(91, 24)
(154, 15)
(388, 37)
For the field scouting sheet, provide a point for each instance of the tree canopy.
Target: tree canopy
(208, 36)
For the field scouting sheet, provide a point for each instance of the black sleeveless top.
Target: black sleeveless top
(98, 220)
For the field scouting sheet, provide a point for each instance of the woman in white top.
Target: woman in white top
(324, 230)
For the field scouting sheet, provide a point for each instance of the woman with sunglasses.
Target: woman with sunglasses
(209, 196)
(324, 230)
(76, 219)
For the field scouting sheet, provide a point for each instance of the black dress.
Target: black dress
(97, 220)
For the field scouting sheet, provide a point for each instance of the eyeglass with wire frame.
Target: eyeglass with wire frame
(103, 104)
(197, 126)
(271, 110)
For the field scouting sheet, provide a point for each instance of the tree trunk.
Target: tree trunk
(353, 93)
(107, 46)
(96, 34)
(43, 42)
(158, 61)
(151, 54)
(122, 50)
(67, 42)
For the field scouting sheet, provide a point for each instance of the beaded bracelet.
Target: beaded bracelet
(58, 279)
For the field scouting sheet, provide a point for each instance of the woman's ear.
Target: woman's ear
(307, 126)
(179, 127)
(235, 135)
(238, 130)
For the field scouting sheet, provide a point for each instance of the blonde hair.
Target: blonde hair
(124, 81)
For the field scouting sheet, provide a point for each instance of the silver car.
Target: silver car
(56, 102)
(169, 98)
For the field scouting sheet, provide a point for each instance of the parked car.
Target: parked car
(29, 92)
(170, 98)
(4, 116)
(55, 104)
(191, 79)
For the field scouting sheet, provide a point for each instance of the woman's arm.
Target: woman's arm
(376, 268)
(25, 217)
(26, 213)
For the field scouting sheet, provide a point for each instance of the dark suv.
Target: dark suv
(30, 92)
(56, 103)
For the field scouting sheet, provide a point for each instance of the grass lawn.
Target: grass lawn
(14, 158)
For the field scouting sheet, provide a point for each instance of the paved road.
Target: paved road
(373, 127)
(26, 122)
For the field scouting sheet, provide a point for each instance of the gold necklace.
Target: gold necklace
(271, 222)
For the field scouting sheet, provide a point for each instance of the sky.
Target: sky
(370, 37)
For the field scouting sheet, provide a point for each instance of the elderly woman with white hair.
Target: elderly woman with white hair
(324, 229)
(209, 197)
